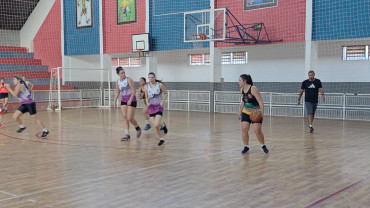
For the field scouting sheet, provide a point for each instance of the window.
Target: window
(259, 4)
(234, 58)
(199, 59)
(126, 62)
(226, 58)
(355, 53)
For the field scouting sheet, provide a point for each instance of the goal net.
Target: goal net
(78, 88)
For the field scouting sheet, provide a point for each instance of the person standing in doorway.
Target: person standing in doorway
(311, 88)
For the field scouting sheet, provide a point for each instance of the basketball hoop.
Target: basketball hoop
(143, 53)
(198, 39)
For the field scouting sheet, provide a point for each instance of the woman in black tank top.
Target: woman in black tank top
(251, 100)
(142, 97)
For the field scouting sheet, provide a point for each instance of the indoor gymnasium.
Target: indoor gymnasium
(172, 103)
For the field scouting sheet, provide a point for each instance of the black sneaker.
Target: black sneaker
(21, 129)
(311, 129)
(160, 142)
(164, 128)
(265, 150)
(138, 132)
(125, 138)
(245, 150)
(44, 133)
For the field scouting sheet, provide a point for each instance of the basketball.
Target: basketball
(203, 37)
(256, 116)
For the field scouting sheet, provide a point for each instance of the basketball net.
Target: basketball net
(197, 44)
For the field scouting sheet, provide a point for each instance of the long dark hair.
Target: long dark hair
(248, 78)
(4, 81)
(118, 69)
(152, 73)
(21, 80)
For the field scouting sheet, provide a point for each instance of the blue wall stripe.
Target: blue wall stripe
(82, 41)
(6, 54)
(166, 28)
(340, 19)
(7, 67)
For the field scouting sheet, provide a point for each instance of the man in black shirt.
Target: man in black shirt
(311, 87)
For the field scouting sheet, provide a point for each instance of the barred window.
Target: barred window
(126, 62)
(199, 59)
(239, 58)
(355, 53)
(226, 58)
(234, 58)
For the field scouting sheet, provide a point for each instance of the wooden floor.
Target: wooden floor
(83, 163)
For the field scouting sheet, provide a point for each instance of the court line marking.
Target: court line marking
(337, 192)
(121, 174)
(7, 193)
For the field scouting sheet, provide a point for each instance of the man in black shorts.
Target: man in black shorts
(311, 87)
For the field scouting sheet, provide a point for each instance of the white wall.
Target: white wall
(266, 63)
(34, 22)
(81, 65)
(173, 66)
(9, 38)
(332, 68)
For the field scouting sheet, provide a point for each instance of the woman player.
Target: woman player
(27, 105)
(251, 101)
(126, 88)
(142, 96)
(154, 99)
(4, 94)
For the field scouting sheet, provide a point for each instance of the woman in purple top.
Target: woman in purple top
(125, 88)
(27, 104)
(154, 99)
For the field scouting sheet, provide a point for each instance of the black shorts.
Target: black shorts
(246, 118)
(133, 104)
(31, 108)
(3, 95)
(157, 113)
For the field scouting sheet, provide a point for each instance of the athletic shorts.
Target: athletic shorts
(246, 118)
(310, 107)
(133, 104)
(157, 113)
(31, 108)
(4, 95)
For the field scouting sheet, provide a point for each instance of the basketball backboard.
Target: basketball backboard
(140, 42)
(205, 25)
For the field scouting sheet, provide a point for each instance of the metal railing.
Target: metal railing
(336, 105)
(181, 100)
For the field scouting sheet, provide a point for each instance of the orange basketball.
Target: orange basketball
(203, 37)
(256, 116)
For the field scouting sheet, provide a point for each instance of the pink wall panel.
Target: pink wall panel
(46, 43)
(286, 21)
(117, 38)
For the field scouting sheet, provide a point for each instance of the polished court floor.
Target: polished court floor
(83, 163)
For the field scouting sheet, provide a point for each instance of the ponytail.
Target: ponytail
(248, 78)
